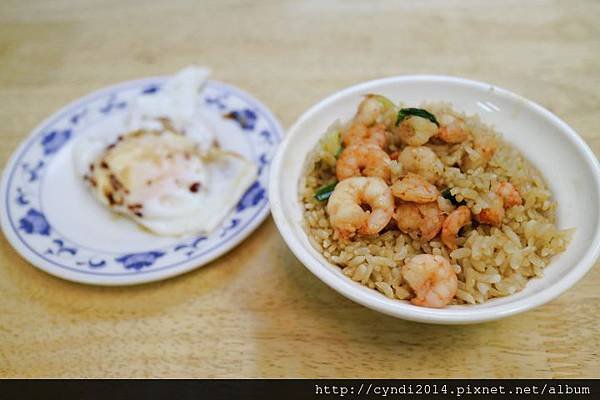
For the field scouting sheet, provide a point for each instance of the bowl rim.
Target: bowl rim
(374, 300)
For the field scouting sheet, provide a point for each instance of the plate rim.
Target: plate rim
(132, 278)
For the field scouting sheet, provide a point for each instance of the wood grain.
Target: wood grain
(257, 312)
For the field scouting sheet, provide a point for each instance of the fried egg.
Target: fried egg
(161, 165)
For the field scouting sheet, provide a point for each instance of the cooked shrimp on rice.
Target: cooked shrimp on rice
(428, 205)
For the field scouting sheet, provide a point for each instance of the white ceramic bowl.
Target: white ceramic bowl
(566, 162)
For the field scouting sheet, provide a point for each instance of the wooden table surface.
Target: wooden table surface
(257, 312)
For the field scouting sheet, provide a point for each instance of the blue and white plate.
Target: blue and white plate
(52, 220)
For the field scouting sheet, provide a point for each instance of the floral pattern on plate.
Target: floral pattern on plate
(31, 231)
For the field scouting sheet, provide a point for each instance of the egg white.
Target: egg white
(228, 177)
(160, 164)
(222, 178)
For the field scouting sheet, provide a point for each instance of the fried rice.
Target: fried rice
(490, 261)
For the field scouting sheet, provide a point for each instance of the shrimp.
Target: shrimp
(422, 161)
(432, 278)
(415, 188)
(485, 147)
(505, 196)
(452, 129)
(363, 159)
(415, 131)
(358, 133)
(368, 111)
(420, 221)
(509, 194)
(345, 210)
(452, 224)
(375, 108)
(494, 213)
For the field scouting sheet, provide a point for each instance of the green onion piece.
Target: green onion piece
(324, 192)
(332, 142)
(417, 112)
(338, 152)
(449, 196)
